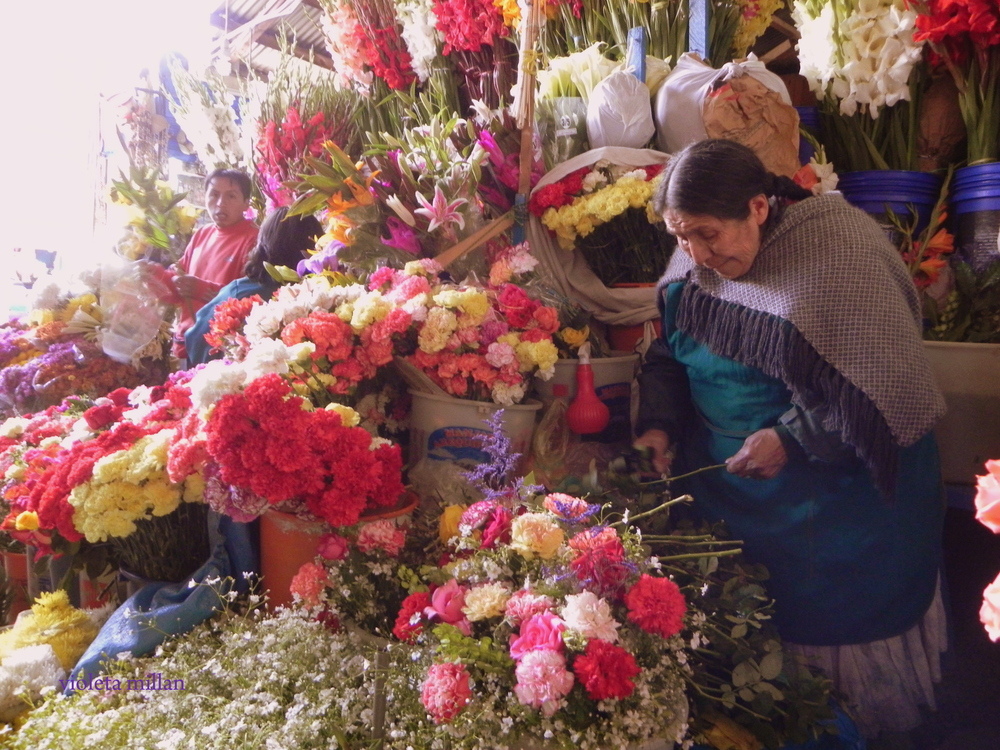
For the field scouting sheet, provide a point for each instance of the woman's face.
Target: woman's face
(726, 246)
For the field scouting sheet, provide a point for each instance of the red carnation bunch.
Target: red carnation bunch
(266, 440)
(656, 605)
(558, 194)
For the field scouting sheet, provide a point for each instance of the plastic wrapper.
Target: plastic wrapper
(619, 112)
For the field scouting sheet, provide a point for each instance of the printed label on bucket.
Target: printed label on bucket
(460, 444)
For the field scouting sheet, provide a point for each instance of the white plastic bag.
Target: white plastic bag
(619, 112)
(680, 101)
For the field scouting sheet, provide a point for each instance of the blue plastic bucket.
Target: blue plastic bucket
(975, 204)
(808, 120)
(882, 190)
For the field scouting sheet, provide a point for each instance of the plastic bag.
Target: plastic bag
(619, 112)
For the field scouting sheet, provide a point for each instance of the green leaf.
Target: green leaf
(771, 665)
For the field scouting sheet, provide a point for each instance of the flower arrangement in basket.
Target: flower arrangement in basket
(604, 212)
(541, 616)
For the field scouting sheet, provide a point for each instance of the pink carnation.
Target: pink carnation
(446, 691)
(567, 507)
(989, 613)
(543, 681)
(656, 605)
(309, 583)
(381, 535)
(523, 605)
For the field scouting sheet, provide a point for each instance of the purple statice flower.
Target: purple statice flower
(496, 478)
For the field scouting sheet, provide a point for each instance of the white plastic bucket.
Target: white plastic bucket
(969, 433)
(443, 428)
(613, 378)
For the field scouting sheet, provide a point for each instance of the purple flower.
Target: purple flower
(324, 260)
(401, 236)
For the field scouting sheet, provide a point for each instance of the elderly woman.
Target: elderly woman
(283, 241)
(791, 352)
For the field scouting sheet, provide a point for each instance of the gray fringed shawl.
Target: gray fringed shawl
(828, 308)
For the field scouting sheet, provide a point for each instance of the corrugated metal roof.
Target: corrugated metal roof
(253, 30)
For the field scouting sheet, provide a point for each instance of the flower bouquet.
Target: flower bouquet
(861, 60)
(57, 350)
(90, 479)
(604, 213)
(965, 38)
(546, 616)
(159, 221)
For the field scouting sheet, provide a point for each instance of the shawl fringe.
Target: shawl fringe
(772, 345)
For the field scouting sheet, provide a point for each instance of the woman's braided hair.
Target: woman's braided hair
(716, 177)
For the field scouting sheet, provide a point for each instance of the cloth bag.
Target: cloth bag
(680, 103)
(567, 271)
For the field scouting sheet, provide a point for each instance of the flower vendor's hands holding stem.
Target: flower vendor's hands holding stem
(761, 457)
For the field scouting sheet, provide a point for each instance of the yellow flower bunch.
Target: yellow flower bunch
(53, 621)
(472, 302)
(531, 354)
(755, 17)
(441, 324)
(588, 212)
(130, 485)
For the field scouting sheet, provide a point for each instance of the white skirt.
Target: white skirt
(887, 681)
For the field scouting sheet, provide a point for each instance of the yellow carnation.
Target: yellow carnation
(348, 417)
(27, 520)
(536, 534)
(448, 523)
(53, 621)
(486, 601)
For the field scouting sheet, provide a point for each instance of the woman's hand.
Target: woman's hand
(761, 457)
(659, 442)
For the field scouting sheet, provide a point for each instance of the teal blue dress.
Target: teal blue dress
(847, 564)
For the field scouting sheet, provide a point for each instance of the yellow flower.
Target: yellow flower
(472, 302)
(448, 524)
(486, 601)
(27, 520)
(511, 12)
(348, 417)
(536, 534)
(53, 621)
(574, 337)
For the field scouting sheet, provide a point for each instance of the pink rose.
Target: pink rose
(988, 497)
(446, 691)
(989, 613)
(333, 547)
(381, 535)
(542, 632)
(447, 603)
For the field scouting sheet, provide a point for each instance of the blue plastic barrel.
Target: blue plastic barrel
(975, 204)
(879, 191)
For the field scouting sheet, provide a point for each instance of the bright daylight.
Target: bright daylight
(500, 375)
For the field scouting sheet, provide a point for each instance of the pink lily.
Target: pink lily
(441, 212)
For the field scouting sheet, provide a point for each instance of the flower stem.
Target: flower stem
(695, 555)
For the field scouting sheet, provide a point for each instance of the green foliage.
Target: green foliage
(971, 312)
